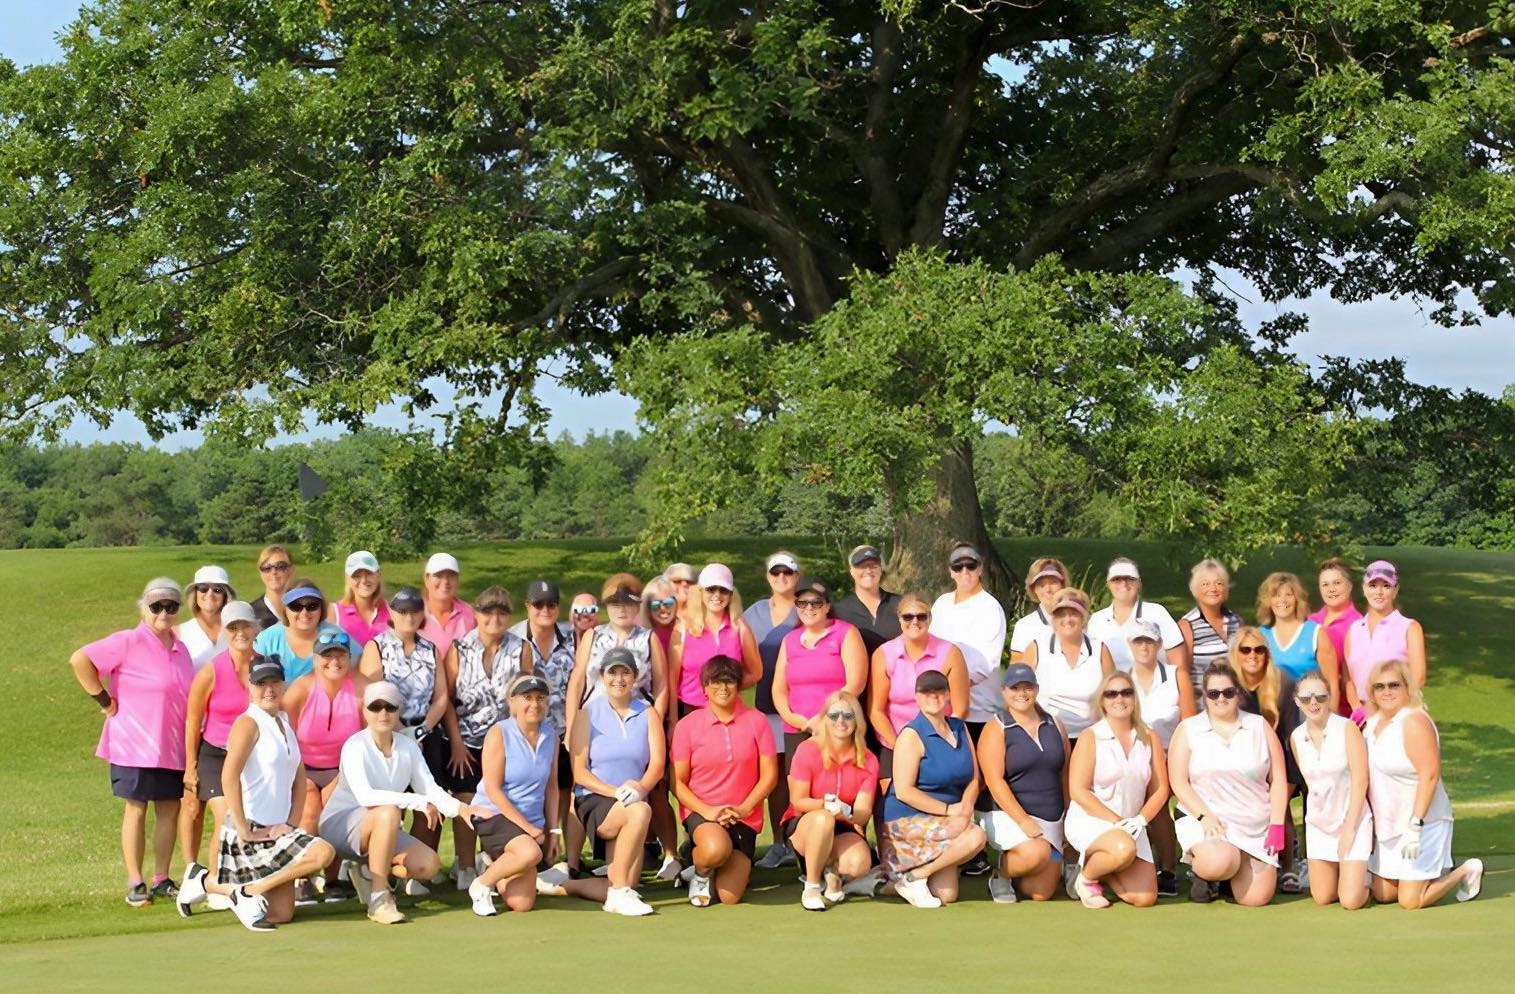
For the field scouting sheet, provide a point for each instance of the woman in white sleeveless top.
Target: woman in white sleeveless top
(1333, 759)
(262, 852)
(1069, 664)
(1412, 817)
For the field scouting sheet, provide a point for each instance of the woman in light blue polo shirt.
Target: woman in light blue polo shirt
(294, 644)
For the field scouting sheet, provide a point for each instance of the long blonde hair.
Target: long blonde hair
(1271, 586)
(694, 610)
(657, 588)
(859, 729)
(1098, 701)
(1271, 687)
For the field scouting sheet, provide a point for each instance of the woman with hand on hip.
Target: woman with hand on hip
(383, 776)
(1023, 756)
(204, 632)
(140, 678)
(1333, 759)
(1380, 636)
(217, 698)
(262, 852)
(517, 800)
(1117, 783)
(833, 780)
(929, 830)
(1227, 770)
(1412, 816)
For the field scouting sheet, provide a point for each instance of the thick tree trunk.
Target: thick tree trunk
(923, 539)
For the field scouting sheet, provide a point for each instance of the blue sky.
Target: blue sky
(1451, 357)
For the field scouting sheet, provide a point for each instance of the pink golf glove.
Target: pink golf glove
(1359, 715)
(1275, 841)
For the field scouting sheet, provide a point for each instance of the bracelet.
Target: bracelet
(554, 831)
(102, 698)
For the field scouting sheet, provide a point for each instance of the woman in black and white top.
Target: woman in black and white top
(1209, 626)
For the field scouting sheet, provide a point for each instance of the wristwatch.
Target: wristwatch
(1417, 822)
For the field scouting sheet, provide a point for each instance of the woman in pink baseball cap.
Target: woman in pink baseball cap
(1383, 635)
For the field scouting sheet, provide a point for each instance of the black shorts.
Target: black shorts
(208, 763)
(885, 763)
(685, 710)
(322, 776)
(842, 827)
(976, 728)
(146, 783)
(496, 833)
(792, 742)
(438, 751)
(743, 836)
(565, 768)
(592, 810)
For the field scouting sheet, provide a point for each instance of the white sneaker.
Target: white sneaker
(414, 888)
(699, 891)
(362, 882)
(833, 891)
(777, 855)
(217, 902)
(555, 875)
(670, 869)
(1471, 884)
(481, 862)
(1070, 876)
(192, 890)
(811, 898)
(685, 875)
(627, 902)
(545, 886)
(917, 893)
(1090, 893)
(251, 910)
(601, 871)
(1002, 890)
(466, 877)
(482, 896)
(865, 886)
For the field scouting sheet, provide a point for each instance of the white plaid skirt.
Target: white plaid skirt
(246, 862)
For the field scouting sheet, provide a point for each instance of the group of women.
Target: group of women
(311, 728)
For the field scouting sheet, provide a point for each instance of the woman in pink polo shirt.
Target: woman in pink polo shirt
(724, 766)
(361, 612)
(140, 678)
(711, 626)
(896, 664)
(1382, 635)
(816, 659)
(448, 616)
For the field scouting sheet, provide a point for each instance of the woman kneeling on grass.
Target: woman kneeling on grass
(1118, 782)
(1333, 759)
(519, 791)
(833, 779)
(262, 853)
(724, 766)
(928, 812)
(384, 775)
(617, 747)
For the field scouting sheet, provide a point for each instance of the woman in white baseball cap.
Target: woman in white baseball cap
(361, 611)
(711, 626)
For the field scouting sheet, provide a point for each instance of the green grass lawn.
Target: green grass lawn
(63, 925)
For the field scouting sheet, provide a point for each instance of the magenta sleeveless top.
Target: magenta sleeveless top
(1386, 643)
(814, 672)
(902, 672)
(362, 632)
(326, 722)
(699, 650)
(228, 699)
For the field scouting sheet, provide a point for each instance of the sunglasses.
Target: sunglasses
(549, 606)
(964, 567)
(1391, 685)
(662, 603)
(841, 716)
(274, 568)
(493, 610)
(682, 583)
(781, 571)
(383, 706)
(164, 607)
(299, 607)
(717, 591)
(1227, 692)
(586, 612)
(216, 589)
(1112, 693)
(1320, 698)
(912, 617)
(810, 603)
(1252, 650)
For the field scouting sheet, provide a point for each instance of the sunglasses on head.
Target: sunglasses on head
(1317, 698)
(841, 716)
(964, 566)
(274, 568)
(1390, 685)
(383, 706)
(662, 603)
(164, 607)
(910, 617)
(586, 612)
(1216, 693)
(810, 602)
(781, 571)
(299, 607)
(1252, 650)
(1114, 693)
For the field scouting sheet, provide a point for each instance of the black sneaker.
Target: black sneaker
(1202, 891)
(977, 866)
(305, 894)
(339, 890)
(165, 889)
(1167, 884)
(138, 896)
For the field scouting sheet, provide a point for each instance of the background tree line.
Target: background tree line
(1440, 471)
